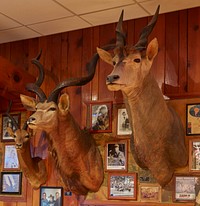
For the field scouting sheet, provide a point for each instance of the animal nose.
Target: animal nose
(31, 119)
(112, 78)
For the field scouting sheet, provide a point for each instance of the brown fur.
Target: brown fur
(78, 160)
(158, 140)
(33, 168)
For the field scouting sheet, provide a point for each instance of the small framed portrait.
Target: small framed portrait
(123, 124)
(11, 183)
(186, 188)
(194, 155)
(193, 119)
(6, 122)
(51, 196)
(11, 161)
(100, 117)
(116, 155)
(122, 186)
(149, 192)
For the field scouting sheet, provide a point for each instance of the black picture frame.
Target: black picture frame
(51, 195)
(11, 183)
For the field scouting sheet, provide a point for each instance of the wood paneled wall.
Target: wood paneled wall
(65, 55)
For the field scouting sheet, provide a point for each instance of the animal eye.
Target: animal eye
(52, 109)
(114, 63)
(27, 136)
(14, 136)
(137, 60)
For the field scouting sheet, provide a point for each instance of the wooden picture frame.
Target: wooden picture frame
(122, 186)
(116, 156)
(10, 158)
(123, 124)
(101, 117)
(149, 192)
(6, 122)
(185, 187)
(192, 119)
(51, 195)
(194, 155)
(11, 183)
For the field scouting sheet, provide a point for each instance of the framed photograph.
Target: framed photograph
(11, 183)
(116, 155)
(6, 122)
(122, 186)
(11, 161)
(123, 124)
(194, 155)
(149, 192)
(193, 119)
(51, 196)
(185, 188)
(101, 117)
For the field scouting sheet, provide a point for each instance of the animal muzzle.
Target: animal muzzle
(31, 120)
(111, 78)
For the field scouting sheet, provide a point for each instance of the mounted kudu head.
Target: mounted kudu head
(131, 63)
(76, 156)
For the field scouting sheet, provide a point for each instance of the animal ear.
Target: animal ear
(10, 131)
(28, 102)
(63, 104)
(105, 56)
(152, 49)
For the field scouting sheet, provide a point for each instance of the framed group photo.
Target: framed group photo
(51, 196)
(10, 157)
(11, 183)
(193, 119)
(149, 192)
(116, 155)
(185, 188)
(122, 186)
(101, 117)
(6, 122)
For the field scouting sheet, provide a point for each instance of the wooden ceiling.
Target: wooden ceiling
(12, 83)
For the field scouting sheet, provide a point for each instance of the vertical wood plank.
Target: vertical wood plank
(193, 50)
(171, 66)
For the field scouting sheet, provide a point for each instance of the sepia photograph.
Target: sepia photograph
(6, 122)
(116, 155)
(123, 124)
(194, 155)
(149, 192)
(122, 186)
(11, 182)
(51, 196)
(10, 157)
(100, 119)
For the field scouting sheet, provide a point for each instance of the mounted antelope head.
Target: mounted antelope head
(158, 141)
(77, 158)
